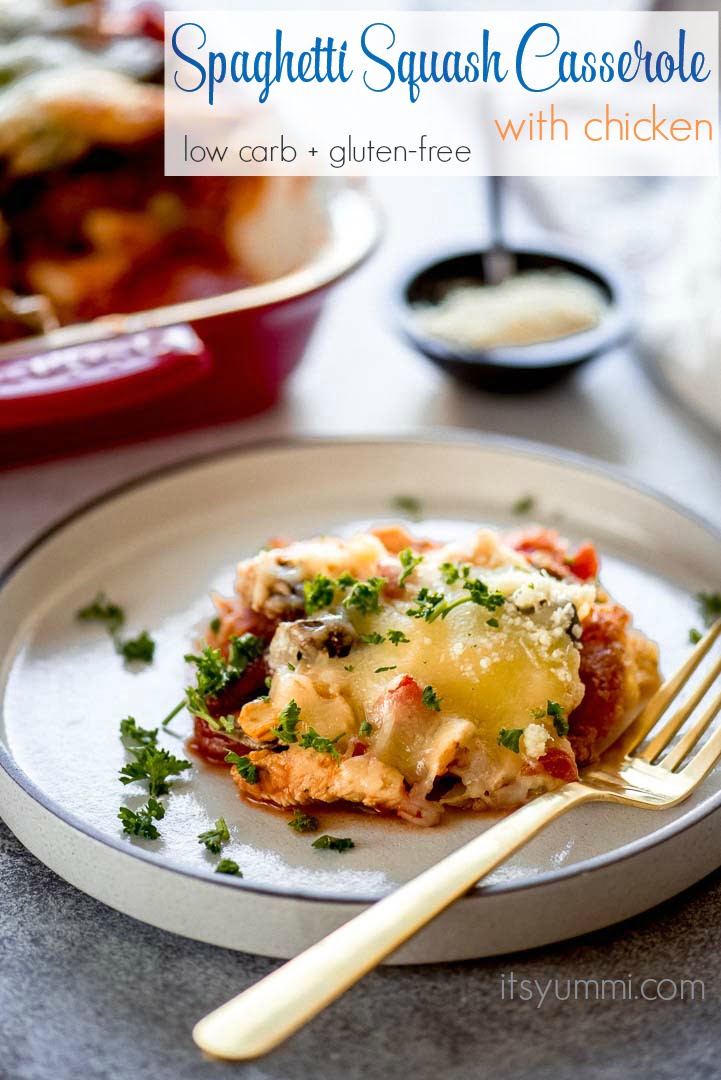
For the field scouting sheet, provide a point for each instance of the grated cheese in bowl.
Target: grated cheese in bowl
(525, 309)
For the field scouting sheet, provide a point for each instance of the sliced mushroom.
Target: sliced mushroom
(304, 639)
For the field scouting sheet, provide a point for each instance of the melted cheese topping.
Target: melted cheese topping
(485, 675)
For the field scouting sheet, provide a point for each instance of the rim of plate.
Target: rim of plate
(435, 436)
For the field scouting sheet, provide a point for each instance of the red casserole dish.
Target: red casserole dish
(123, 378)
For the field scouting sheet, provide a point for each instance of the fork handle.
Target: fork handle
(264, 1015)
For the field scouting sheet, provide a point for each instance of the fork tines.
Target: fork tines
(665, 697)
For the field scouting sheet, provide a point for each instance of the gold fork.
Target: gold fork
(265, 1015)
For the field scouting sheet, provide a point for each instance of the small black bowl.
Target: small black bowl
(515, 369)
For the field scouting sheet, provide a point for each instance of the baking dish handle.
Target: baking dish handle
(96, 377)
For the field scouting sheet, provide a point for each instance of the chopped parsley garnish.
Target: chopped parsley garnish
(319, 593)
(555, 711)
(228, 866)
(396, 637)
(136, 735)
(291, 667)
(492, 622)
(365, 728)
(362, 595)
(409, 505)
(524, 505)
(214, 672)
(710, 606)
(112, 617)
(215, 838)
(103, 611)
(226, 723)
(288, 718)
(246, 769)
(214, 624)
(431, 700)
(409, 562)
(303, 822)
(450, 572)
(311, 740)
(388, 667)
(140, 648)
(140, 822)
(510, 738)
(426, 603)
(348, 667)
(481, 594)
(333, 843)
(430, 606)
(694, 635)
(242, 651)
(365, 595)
(154, 765)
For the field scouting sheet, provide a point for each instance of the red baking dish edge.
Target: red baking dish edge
(191, 365)
(97, 377)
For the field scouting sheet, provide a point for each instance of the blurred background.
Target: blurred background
(291, 293)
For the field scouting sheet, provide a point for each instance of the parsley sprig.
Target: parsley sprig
(228, 866)
(285, 731)
(134, 735)
(288, 718)
(112, 617)
(450, 572)
(510, 738)
(311, 740)
(215, 838)
(396, 637)
(215, 672)
(301, 822)
(319, 593)
(140, 822)
(140, 648)
(557, 714)
(409, 505)
(364, 596)
(409, 562)
(104, 611)
(433, 605)
(709, 606)
(430, 699)
(524, 505)
(246, 769)
(152, 765)
(333, 843)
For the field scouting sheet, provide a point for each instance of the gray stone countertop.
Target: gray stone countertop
(87, 992)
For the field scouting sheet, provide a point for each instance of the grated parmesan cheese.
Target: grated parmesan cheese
(523, 310)
(535, 737)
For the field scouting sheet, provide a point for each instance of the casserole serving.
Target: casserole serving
(405, 676)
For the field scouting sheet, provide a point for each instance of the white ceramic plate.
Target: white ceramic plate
(159, 546)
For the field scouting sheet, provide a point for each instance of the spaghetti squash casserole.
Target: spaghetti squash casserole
(407, 676)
